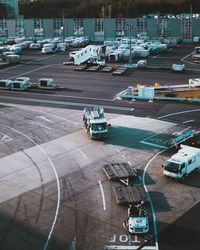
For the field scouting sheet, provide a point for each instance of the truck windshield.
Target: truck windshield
(99, 126)
(197, 50)
(172, 167)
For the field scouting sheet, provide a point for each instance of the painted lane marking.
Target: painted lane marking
(67, 96)
(148, 194)
(17, 66)
(31, 71)
(46, 119)
(149, 197)
(155, 56)
(188, 121)
(179, 113)
(112, 247)
(182, 59)
(152, 144)
(103, 196)
(40, 124)
(154, 135)
(66, 103)
(83, 154)
(57, 182)
(4, 138)
(39, 111)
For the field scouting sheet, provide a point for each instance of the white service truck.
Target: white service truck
(184, 162)
(95, 122)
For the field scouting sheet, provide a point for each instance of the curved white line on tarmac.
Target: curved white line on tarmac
(57, 181)
(179, 113)
(103, 196)
(149, 197)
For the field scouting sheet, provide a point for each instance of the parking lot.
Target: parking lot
(57, 190)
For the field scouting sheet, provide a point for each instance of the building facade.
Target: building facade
(99, 29)
(12, 7)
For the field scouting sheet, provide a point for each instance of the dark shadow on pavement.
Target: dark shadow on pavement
(148, 179)
(159, 201)
(183, 234)
(129, 137)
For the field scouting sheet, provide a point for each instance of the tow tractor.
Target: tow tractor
(138, 221)
(95, 122)
(129, 192)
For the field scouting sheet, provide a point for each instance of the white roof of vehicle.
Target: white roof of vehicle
(102, 120)
(185, 153)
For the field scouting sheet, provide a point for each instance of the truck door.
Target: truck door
(183, 169)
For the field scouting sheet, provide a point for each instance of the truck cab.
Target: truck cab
(184, 162)
(95, 123)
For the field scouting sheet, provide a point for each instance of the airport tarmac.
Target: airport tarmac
(54, 192)
(52, 180)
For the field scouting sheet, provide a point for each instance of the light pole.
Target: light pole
(130, 27)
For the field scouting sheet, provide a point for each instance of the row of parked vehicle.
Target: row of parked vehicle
(23, 83)
(59, 44)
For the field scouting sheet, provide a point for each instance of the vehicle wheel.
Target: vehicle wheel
(184, 177)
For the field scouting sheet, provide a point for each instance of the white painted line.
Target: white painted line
(124, 156)
(154, 135)
(46, 119)
(129, 163)
(5, 138)
(155, 56)
(65, 103)
(67, 96)
(152, 144)
(40, 124)
(184, 129)
(147, 192)
(103, 196)
(170, 49)
(39, 111)
(179, 113)
(83, 154)
(17, 66)
(31, 71)
(188, 121)
(57, 181)
(182, 59)
(113, 247)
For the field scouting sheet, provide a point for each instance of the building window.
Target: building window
(58, 27)
(99, 27)
(19, 28)
(78, 27)
(3, 28)
(187, 28)
(119, 27)
(141, 25)
(163, 24)
(38, 28)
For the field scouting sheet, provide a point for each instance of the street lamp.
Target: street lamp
(130, 27)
